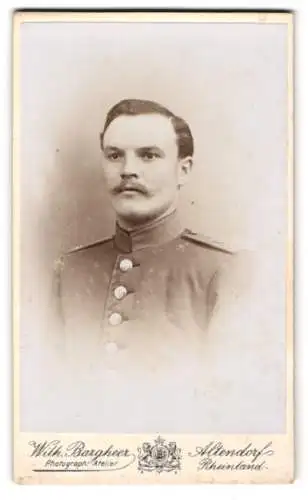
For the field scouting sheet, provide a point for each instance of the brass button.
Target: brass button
(125, 265)
(115, 319)
(120, 292)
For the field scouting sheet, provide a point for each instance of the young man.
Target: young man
(151, 269)
(137, 307)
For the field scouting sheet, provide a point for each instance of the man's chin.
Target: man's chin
(135, 218)
(135, 214)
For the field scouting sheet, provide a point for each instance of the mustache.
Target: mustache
(124, 185)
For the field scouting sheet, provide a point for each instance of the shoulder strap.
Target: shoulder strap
(200, 239)
(91, 245)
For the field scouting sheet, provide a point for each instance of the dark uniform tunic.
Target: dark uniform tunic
(141, 291)
(148, 339)
(135, 312)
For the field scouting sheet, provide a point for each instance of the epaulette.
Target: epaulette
(201, 240)
(86, 247)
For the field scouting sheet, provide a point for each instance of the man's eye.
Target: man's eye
(149, 155)
(113, 156)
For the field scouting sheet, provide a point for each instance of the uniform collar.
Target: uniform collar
(157, 232)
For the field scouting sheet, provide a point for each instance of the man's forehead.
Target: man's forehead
(139, 131)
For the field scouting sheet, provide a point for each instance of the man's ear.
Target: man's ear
(185, 166)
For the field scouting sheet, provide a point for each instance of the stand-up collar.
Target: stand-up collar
(160, 231)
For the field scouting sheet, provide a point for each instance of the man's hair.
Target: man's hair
(135, 107)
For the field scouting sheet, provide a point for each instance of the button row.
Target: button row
(120, 292)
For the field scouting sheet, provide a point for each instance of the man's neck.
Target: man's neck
(157, 231)
(133, 226)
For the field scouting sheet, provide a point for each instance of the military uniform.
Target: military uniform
(135, 314)
(157, 331)
(143, 289)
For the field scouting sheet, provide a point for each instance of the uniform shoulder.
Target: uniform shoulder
(59, 262)
(205, 242)
(81, 248)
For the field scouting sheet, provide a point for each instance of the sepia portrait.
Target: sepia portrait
(153, 226)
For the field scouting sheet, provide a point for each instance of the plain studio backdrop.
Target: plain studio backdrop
(229, 81)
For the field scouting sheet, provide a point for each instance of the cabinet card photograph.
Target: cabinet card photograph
(152, 247)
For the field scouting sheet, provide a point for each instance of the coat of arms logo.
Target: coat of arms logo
(162, 456)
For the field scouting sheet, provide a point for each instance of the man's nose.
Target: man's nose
(129, 166)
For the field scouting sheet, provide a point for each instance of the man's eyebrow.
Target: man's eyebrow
(112, 148)
(149, 148)
(140, 150)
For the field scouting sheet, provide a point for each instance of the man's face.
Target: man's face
(141, 166)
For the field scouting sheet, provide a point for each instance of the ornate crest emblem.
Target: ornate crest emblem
(162, 456)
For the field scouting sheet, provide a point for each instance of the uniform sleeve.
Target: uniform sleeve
(56, 290)
(230, 287)
(246, 355)
(43, 363)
